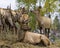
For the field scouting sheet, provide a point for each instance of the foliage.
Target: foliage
(33, 21)
(59, 9)
(50, 5)
(56, 23)
(59, 4)
(27, 2)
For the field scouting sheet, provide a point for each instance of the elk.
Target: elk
(1, 23)
(23, 19)
(34, 38)
(6, 18)
(43, 22)
(15, 18)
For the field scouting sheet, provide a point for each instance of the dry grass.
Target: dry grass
(57, 43)
(25, 45)
(8, 40)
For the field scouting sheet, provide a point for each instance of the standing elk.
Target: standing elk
(15, 18)
(6, 19)
(43, 22)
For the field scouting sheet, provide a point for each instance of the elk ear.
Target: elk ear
(33, 11)
(39, 7)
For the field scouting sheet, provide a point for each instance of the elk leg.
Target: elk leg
(48, 32)
(14, 30)
(17, 33)
(5, 28)
(0, 30)
(18, 30)
(40, 30)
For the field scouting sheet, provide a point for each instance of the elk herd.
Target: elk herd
(17, 20)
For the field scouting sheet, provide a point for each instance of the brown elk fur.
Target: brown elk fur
(24, 17)
(43, 22)
(6, 18)
(45, 40)
(35, 38)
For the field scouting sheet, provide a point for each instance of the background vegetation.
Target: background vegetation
(48, 8)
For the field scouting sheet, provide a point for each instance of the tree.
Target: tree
(48, 7)
(33, 21)
(58, 5)
(27, 2)
(56, 23)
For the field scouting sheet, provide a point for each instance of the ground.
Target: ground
(10, 44)
(8, 41)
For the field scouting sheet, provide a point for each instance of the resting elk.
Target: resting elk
(34, 38)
